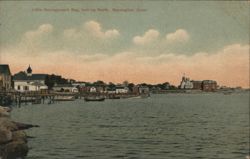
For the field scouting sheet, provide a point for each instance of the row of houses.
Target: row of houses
(104, 89)
(27, 81)
(204, 85)
(91, 88)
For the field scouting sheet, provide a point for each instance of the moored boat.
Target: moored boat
(94, 98)
(114, 97)
(227, 93)
(64, 98)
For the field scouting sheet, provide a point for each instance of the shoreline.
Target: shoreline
(13, 139)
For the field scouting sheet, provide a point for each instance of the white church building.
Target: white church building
(26, 81)
(186, 83)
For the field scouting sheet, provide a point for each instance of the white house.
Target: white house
(26, 81)
(79, 84)
(121, 89)
(92, 89)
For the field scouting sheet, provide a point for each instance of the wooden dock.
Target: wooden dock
(34, 97)
(17, 98)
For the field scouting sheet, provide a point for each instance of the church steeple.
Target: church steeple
(29, 71)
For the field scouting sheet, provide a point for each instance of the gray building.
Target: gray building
(5, 77)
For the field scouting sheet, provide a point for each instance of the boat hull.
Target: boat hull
(64, 98)
(87, 99)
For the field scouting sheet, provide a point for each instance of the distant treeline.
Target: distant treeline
(53, 79)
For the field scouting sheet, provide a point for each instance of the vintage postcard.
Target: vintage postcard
(129, 79)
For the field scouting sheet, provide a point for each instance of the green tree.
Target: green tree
(131, 86)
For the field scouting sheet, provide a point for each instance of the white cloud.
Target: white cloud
(32, 40)
(179, 35)
(148, 37)
(42, 29)
(111, 33)
(90, 29)
(95, 29)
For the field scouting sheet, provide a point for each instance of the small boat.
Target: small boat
(227, 93)
(94, 98)
(114, 97)
(64, 98)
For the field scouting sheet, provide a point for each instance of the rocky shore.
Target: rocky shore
(13, 139)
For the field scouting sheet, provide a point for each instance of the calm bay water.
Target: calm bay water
(174, 126)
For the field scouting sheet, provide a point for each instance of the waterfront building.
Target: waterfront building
(65, 88)
(5, 77)
(197, 85)
(79, 84)
(209, 85)
(186, 83)
(92, 89)
(138, 89)
(143, 90)
(121, 89)
(111, 90)
(100, 89)
(96, 87)
(26, 81)
(83, 89)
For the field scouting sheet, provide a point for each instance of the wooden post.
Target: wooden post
(19, 101)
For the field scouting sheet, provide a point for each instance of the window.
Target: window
(26, 88)
(18, 87)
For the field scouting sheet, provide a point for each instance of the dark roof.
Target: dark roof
(94, 85)
(120, 87)
(63, 85)
(5, 69)
(209, 81)
(22, 76)
(110, 89)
